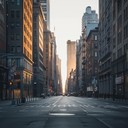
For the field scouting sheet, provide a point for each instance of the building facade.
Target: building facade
(92, 63)
(19, 43)
(39, 70)
(59, 77)
(79, 65)
(105, 41)
(50, 61)
(3, 67)
(120, 48)
(46, 9)
(71, 56)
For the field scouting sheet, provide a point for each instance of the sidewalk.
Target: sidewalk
(5, 102)
(17, 101)
(119, 101)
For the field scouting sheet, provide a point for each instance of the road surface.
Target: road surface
(65, 112)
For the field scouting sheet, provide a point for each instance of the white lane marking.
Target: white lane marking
(61, 114)
(74, 105)
(124, 106)
(86, 106)
(109, 126)
(69, 105)
(64, 110)
(56, 101)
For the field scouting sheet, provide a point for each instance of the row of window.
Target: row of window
(14, 25)
(15, 49)
(27, 43)
(17, 2)
(126, 13)
(14, 36)
(27, 65)
(15, 14)
(27, 32)
(26, 52)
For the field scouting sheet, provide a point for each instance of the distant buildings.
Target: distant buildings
(59, 77)
(71, 61)
(71, 56)
(89, 20)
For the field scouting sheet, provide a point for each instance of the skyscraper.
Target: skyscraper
(46, 10)
(89, 20)
(39, 70)
(71, 56)
(19, 44)
(3, 67)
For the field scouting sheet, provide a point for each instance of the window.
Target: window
(18, 49)
(12, 25)
(114, 56)
(17, 37)
(12, 37)
(12, 14)
(17, 25)
(12, 49)
(96, 54)
(95, 37)
(17, 14)
(18, 2)
(119, 53)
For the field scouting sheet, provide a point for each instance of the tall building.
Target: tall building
(89, 20)
(50, 61)
(19, 44)
(54, 61)
(39, 70)
(46, 9)
(3, 68)
(120, 48)
(71, 56)
(92, 63)
(105, 41)
(59, 78)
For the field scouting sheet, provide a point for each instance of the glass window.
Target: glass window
(12, 14)
(18, 2)
(95, 37)
(12, 25)
(12, 37)
(18, 49)
(17, 14)
(17, 36)
(96, 54)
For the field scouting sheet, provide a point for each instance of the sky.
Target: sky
(66, 23)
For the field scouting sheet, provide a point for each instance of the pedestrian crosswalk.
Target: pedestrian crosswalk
(63, 107)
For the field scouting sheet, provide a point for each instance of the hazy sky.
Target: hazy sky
(66, 17)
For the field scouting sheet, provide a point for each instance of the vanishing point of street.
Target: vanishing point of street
(65, 112)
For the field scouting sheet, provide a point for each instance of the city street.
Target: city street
(65, 112)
